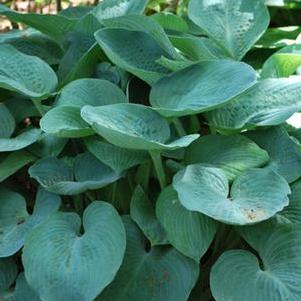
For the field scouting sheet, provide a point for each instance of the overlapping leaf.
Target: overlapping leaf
(269, 102)
(189, 232)
(284, 151)
(25, 74)
(256, 194)
(239, 275)
(133, 126)
(16, 223)
(201, 87)
(234, 154)
(13, 162)
(163, 273)
(65, 120)
(143, 213)
(119, 159)
(86, 173)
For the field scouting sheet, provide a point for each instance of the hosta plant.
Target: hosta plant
(146, 156)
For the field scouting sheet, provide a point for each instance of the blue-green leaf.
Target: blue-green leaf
(63, 264)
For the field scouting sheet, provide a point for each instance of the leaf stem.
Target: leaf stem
(39, 106)
(157, 160)
(179, 127)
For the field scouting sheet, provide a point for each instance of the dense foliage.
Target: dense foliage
(148, 157)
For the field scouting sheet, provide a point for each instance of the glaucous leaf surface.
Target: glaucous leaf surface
(284, 151)
(162, 272)
(135, 51)
(8, 273)
(86, 173)
(65, 122)
(13, 162)
(269, 102)
(240, 275)
(234, 24)
(108, 9)
(189, 232)
(90, 91)
(37, 44)
(233, 154)
(143, 213)
(147, 25)
(201, 87)
(255, 195)
(25, 74)
(15, 221)
(133, 126)
(64, 264)
(21, 141)
(119, 159)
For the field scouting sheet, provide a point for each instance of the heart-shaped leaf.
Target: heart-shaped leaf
(269, 102)
(201, 87)
(234, 154)
(133, 126)
(239, 275)
(284, 152)
(119, 159)
(61, 263)
(234, 24)
(163, 273)
(15, 222)
(86, 173)
(90, 91)
(21, 141)
(8, 273)
(65, 122)
(143, 213)
(256, 194)
(108, 9)
(25, 74)
(189, 232)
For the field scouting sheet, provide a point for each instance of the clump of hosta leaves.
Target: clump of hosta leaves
(146, 156)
